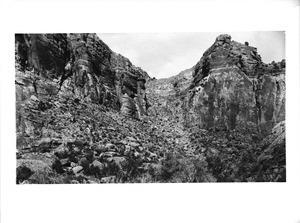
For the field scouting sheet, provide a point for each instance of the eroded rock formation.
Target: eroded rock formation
(87, 115)
(225, 108)
(233, 89)
(80, 66)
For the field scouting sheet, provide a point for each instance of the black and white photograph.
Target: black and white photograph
(149, 111)
(86, 114)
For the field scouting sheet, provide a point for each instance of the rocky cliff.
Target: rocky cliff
(87, 115)
(80, 66)
(233, 89)
(226, 108)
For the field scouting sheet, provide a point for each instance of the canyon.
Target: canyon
(85, 114)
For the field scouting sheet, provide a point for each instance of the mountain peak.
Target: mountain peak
(223, 38)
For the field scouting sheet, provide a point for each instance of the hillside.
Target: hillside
(86, 114)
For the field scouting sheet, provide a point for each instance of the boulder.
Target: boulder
(133, 144)
(100, 148)
(155, 168)
(44, 164)
(65, 162)
(108, 154)
(96, 167)
(110, 179)
(110, 147)
(61, 152)
(130, 139)
(76, 142)
(77, 169)
(120, 162)
(46, 144)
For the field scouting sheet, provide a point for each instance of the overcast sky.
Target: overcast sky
(166, 54)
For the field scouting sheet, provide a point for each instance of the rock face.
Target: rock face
(130, 86)
(220, 121)
(166, 94)
(93, 77)
(233, 89)
(79, 66)
(225, 108)
(272, 160)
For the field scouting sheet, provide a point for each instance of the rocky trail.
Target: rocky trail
(87, 115)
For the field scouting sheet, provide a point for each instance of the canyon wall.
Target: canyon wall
(232, 89)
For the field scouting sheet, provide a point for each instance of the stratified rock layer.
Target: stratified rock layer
(220, 121)
(233, 89)
(225, 108)
(79, 66)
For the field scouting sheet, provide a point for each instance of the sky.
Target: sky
(163, 55)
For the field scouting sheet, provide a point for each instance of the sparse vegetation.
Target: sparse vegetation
(210, 123)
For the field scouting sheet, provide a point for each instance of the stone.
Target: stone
(40, 164)
(77, 169)
(156, 168)
(153, 156)
(101, 115)
(130, 139)
(96, 167)
(61, 152)
(98, 164)
(76, 142)
(108, 154)
(100, 148)
(65, 162)
(84, 162)
(133, 144)
(34, 98)
(120, 162)
(136, 154)
(110, 147)
(110, 179)
(46, 144)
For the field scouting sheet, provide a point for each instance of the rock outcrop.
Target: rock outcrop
(233, 89)
(220, 121)
(130, 86)
(78, 66)
(166, 94)
(225, 108)
(272, 160)
(58, 76)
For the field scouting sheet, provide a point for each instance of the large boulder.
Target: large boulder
(37, 168)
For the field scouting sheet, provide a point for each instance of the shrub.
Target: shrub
(170, 166)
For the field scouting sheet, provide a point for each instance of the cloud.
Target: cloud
(166, 54)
